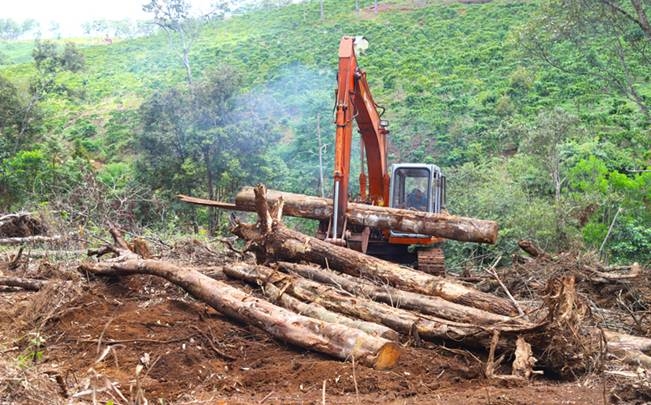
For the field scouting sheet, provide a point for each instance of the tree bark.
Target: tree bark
(402, 220)
(286, 244)
(28, 284)
(425, 304)
(530, 247)
(633, 348)
(399, 319)
(333, 339)
(313, 310)
(29, 239)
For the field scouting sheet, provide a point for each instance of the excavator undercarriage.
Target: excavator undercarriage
(431, 261)
(424, 256)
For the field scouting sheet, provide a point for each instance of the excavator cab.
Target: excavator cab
(417, 186)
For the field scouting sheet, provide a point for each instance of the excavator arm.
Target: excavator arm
(355, 102)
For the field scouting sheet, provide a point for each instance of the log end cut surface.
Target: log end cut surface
(388, 356)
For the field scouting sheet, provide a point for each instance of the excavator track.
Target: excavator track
(431, 261)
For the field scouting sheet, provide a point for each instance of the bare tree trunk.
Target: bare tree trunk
(29, 284)
(321, 149)
(212, 220)
(285, 244)
(314, 310)
(186, 57)
(29, 239)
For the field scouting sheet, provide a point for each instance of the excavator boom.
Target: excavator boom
(417, 186)
(355, 102)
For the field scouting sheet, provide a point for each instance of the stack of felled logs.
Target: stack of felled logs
(349, 305)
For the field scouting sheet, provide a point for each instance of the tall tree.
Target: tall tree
(606, 40)
(175, 18)
(202, 140)
(546, 141)
(15, 129)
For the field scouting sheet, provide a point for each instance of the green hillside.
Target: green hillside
(552, 154)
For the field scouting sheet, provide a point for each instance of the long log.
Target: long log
(286, 244)
(28, 284)
(359, 307)
(401, 220)
(425, 304)
(635, 349)
(333, 339)
(314, 310)
(29, 239)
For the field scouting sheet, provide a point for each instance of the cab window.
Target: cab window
(411, 189)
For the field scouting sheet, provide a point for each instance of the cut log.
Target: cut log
(28, 284)
(206, 203)
(29, 239)
(632, 349)
(313, 310)
(289, 245)
(401, 220)
(530, 247)
(635, 271)
(396, 318)
(425, 304)
(333, 339)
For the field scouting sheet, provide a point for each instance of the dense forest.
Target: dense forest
(537, 111)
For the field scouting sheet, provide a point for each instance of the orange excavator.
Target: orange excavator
(415, 186)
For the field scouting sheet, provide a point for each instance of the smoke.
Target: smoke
(295, 102)
(293, 93)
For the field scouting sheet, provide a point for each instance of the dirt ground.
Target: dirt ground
(83, 340)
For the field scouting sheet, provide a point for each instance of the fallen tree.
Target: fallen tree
(402, 320)
(395, 297)
(28, 284)
(333, 339)
(29, 239)
(402, 220)
(278, 294)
